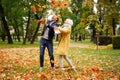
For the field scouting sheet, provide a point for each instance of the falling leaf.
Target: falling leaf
(40, 9)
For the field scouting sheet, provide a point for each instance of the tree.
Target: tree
(16, 20)
(3, 17)
(14, 13)
(93, 26)
(2, 31)
(81, 10)
(108, 11)
(28, 23)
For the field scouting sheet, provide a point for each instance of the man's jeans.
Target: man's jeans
(43, 44)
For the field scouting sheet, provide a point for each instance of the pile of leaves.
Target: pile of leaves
(23, 64)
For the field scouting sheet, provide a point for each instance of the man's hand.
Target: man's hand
(33, 9)
(56, 28)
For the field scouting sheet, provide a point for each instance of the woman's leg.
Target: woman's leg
(61, 62)
(69, 62)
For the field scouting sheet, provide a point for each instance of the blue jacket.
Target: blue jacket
(51, 28)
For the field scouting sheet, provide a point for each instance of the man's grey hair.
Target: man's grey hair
(50, 17)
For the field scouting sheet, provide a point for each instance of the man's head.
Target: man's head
(50, 17)
(54, 18)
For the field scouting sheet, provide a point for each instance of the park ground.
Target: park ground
(22, 63)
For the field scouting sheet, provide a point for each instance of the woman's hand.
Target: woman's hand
(42, 21)
(56, 29)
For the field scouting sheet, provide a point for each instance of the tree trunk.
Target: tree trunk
(18, 35)
(114, 26)
(80, 37)
(83, 36)
(35, 34)
(100, 19)
(93, 35)
(113, 23)
(29, 37)
(72, 37)
(3, 37)
(106, 32)
(17, 30)
(75, 37)
(28, 23)
(10, 41)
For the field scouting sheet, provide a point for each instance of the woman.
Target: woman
(63, 45)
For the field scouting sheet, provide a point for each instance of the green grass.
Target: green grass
(18, 44)
(86, 41)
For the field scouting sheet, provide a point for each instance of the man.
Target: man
(46, 40)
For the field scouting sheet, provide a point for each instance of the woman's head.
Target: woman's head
(69, 21)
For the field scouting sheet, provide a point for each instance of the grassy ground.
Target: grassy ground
(21, 62)
(18, 44)
(36, 44)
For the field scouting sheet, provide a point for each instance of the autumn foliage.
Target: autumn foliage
(59, 4)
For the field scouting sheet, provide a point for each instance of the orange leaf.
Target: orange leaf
(27, 77)
(40, 9)
(41, 21)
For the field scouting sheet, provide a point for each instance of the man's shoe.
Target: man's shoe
(53, 68)
(41, 68)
